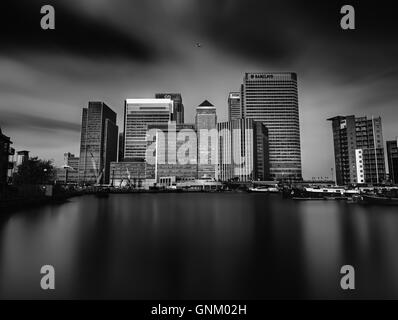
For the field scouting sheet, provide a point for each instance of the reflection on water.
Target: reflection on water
(199, 245)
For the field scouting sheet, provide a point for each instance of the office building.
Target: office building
(206, 127)
(69, 173)
(392, 159)
(5, 165)
(98, 144)
(128, 174)
(138, 114)
(11, 164)
(243, 151)
(172, 152)
(178, 106)
(272, 98)
(262, 151)
(120, 156)
(234, 106)
(22, 156)
(358, 150)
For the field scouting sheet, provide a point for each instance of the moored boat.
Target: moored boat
(379, 200)
(264, 189)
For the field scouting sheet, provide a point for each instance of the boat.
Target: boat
(331, 193)
(354, 199)
(380, 200)
(264, 189)
(335, 198)
(320, 193)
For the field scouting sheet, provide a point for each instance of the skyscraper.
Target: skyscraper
(262, 151)
(138, 113)
(358, 150)
(392, 157)
(120, 156)
(242, 144)
(98, 144)
(234, 106)
(206, 127)
(178, 107)
(272, 98)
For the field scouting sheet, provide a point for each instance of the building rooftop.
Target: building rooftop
(147, 101)
(336, 118)
(206, 103)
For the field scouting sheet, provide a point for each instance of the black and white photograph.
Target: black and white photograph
(211, 151)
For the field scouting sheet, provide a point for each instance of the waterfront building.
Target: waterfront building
(272, 98)
(234, 106)
(199, 185)
(128, 174)
(172, 152)
(5, 165)
(98, 143)
(138, 114)
(392, 159)
(206, 127)
(358, 150)
(11, 164)
(243, 151)
(178, 106)
(22, 156)
(69, 173)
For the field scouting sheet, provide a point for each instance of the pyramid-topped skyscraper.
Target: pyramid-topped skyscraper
(206, 126)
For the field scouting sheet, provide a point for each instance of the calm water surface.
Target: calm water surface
(199, 245)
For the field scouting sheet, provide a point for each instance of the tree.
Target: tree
(34, 171)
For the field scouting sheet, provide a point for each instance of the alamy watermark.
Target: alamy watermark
(348, 280)
(47, 21)
(47, 281)
(347, 22)
(205, 146)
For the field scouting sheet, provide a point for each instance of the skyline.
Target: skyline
(46, 81)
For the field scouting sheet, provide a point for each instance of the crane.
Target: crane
(98, 174)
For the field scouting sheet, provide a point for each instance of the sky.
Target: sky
(103, 50)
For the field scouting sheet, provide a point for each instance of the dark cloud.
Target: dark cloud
(281, 32)
(75, 33)
(278, 32)
(29, 122)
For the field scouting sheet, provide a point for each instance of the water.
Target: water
(199, 246)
